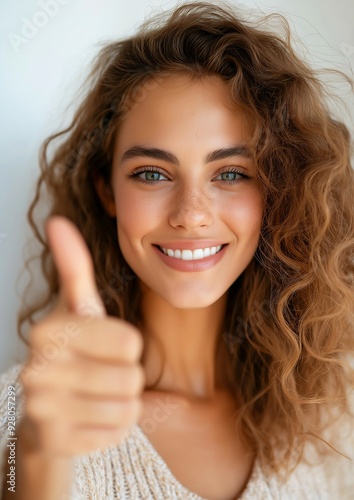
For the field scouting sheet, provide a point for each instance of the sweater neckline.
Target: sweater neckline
(255, 476)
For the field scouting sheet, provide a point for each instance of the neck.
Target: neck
(184, 351)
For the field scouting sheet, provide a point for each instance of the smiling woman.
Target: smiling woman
(205, 166)
(186, 131)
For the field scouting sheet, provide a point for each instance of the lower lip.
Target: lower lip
(191, 265)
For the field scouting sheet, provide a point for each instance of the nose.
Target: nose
(191, 209)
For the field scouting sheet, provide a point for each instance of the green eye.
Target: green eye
(229, 176)
(152, 175)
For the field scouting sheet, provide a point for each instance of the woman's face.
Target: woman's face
(193, 199)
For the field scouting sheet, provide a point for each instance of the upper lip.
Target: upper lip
(190, 244)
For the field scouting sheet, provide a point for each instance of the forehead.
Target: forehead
(181, 87)
(179, 104)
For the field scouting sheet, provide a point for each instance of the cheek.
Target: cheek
(244, 213)
(137, 211)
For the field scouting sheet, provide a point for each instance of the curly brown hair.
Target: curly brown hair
(289, 320)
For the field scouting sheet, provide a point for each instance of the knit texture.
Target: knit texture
(133, 470)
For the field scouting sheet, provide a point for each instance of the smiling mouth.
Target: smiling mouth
(197, 254)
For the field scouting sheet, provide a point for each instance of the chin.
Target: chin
(188, 295)
(190, 300)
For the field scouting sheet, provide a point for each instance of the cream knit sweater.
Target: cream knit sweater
(134, 470)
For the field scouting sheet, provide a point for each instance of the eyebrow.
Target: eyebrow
(161, 154)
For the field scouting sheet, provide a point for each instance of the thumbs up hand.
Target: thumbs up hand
(89, 394)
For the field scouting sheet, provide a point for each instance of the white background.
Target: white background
(40, 73)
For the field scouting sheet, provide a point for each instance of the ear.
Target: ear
(105, 193)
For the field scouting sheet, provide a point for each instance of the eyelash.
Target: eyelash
(135, 175)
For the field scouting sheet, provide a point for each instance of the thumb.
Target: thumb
(75, 267)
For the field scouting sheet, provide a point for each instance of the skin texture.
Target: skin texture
(192, 200)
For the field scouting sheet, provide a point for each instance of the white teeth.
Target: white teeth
(199, 253)
(187, 255)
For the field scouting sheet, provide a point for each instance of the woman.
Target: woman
(198, 254)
